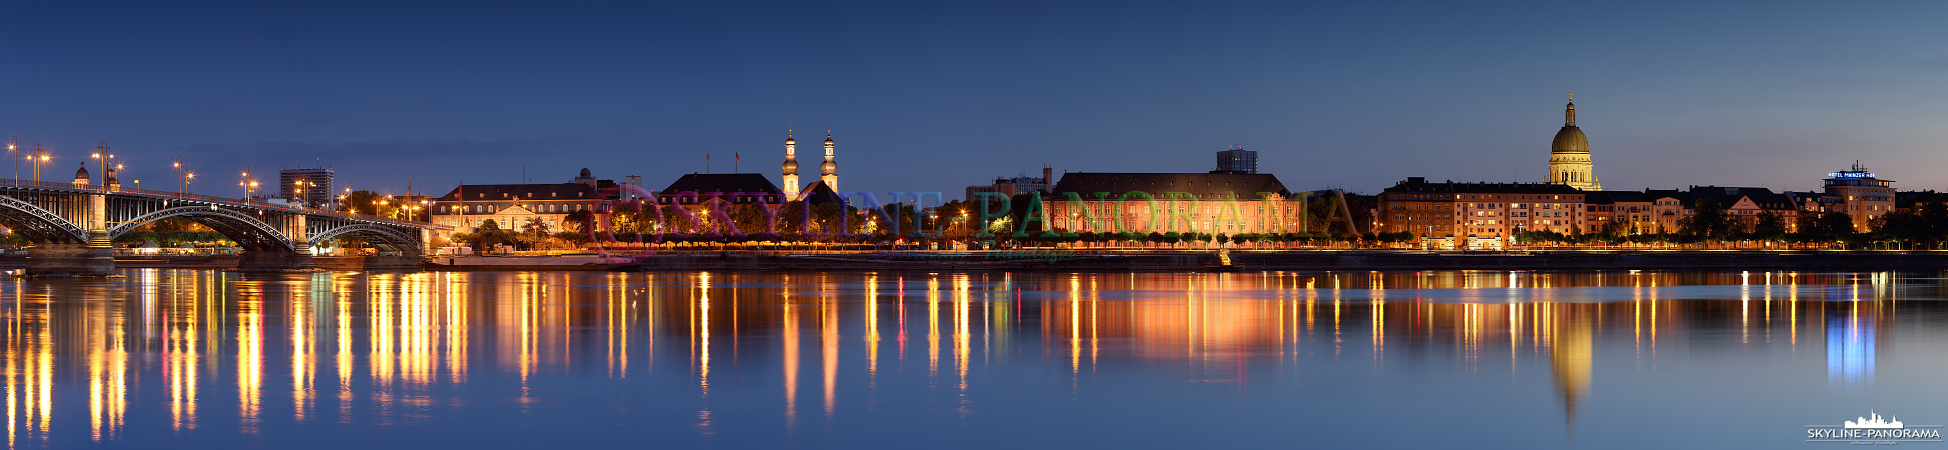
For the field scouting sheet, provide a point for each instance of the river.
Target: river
(1483, 359)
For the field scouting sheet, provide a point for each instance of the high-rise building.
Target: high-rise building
(1569, 155)
(311, 186)
(1237, 160)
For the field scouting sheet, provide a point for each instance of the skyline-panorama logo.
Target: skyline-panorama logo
(1873, 429)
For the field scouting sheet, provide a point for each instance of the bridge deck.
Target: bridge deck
(71, 188)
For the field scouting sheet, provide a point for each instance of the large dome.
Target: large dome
(1570, 140)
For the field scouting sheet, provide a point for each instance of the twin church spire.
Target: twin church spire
(828, 171)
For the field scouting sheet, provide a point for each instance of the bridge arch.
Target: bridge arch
(381, 236)
(38, 225)
(250, 232)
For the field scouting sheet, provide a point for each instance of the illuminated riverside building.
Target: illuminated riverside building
(1012, 186)
(512, 205)
(1746, 204)
(1438, 209)
(1226, 203)
(1491, 210)
(707, 195)
(1856, 192)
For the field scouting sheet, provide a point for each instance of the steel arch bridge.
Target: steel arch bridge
(63, 220)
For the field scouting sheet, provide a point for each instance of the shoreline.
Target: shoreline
(1244, 261)
(1324, 260)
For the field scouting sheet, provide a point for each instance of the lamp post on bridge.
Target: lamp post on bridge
(182, 175)
(248, 184)
(38, 156)
(11, 144)
(100, 146)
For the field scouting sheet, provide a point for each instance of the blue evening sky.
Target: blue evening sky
(934, 96)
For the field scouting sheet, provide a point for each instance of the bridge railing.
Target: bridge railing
(42, 184)
(208, 198)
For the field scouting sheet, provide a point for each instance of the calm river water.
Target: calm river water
(1485, 359)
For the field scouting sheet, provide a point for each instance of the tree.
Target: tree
(749, 218)
(1903, 226)
(1707, 222)
(1770, 227)
(576, 222)
(533, 232)
(373, 203)
(488, 234)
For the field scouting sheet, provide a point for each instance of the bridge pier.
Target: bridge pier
(70, 260)
(275, 262)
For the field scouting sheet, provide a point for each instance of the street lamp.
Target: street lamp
(248, 184)
(38, 156)
(11, 144)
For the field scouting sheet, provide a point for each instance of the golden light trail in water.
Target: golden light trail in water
(1095, 341)
(343, 306)
(528, 319)
(302, 352)
(1075, 327)
(703, 332)
(418, 355)
(250, 358)
(181, 353)
(790, 352)
(933, 329)
(872, 330)
(107, 348)
(458, 323)
(1378, 313)
(828, 336)
(30, 367)
(382, 356)
(962, 297)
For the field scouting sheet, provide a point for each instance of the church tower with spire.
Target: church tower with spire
(791, 167)
(1569, 155)
(829, 170)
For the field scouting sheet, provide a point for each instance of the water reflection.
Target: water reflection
(259, 355)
